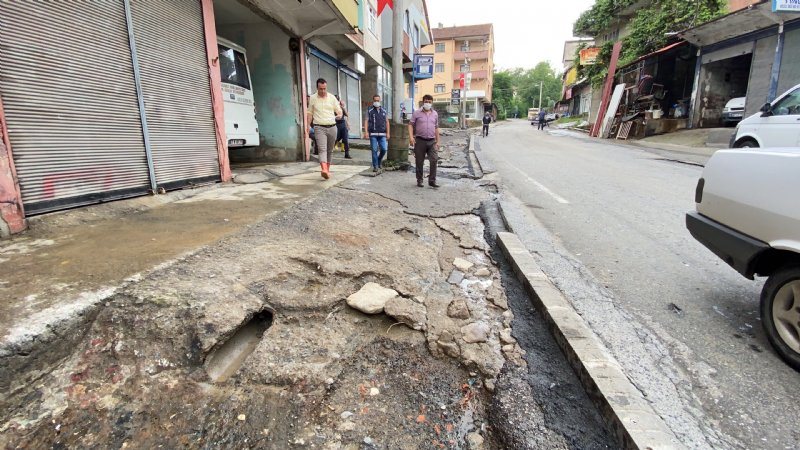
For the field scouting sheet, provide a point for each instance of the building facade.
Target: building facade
(467, 50)
(108, 100)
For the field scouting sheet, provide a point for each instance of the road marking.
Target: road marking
(543, 188)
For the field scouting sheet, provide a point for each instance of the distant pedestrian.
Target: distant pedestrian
(423, 134)
(487, 119)
(376, 129)
(343, 129)
(542, 119)
(323, 110)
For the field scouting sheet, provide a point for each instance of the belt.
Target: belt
(324, 126)
(424, 138)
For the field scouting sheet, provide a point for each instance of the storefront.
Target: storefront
(342, 81)
(749, 53)
(106, 100)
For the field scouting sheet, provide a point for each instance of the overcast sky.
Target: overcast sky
(525, 31)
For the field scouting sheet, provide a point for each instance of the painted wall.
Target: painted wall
(790, 64)
(760, 70)
(275, 89)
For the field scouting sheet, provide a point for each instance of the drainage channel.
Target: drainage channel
(229, 357)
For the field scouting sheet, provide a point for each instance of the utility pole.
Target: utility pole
(397, 59)
(540, 95)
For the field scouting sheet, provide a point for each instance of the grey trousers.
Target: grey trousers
(326, 141)
(422, 148)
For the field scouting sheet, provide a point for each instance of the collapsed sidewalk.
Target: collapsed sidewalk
(251, 341)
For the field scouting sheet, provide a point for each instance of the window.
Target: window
(789, 105)
(415, 37)
(407, 24)
(438, 88)
(232, 67)
(465, 46)
(438, 67)
(371, 19)
(440, 47)
(465, 67)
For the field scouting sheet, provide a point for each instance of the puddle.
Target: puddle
(228, 358)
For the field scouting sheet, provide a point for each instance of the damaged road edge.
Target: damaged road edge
(628, 414)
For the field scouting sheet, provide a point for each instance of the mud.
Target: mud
(321, 375)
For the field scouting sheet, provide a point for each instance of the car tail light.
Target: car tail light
(698, 192)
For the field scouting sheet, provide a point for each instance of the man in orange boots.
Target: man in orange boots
(323, 111)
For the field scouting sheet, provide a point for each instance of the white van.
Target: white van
(241, 127)
(777, 125)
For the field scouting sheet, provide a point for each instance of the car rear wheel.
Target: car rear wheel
(746, 143)
(780, 313)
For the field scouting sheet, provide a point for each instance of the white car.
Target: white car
(777, 125)
(733, 111)
(748, 214)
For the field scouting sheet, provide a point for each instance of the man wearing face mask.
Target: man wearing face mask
(423, 132)
(376, 129)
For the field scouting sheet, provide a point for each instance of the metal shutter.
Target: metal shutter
(171, 49)
(68, 89)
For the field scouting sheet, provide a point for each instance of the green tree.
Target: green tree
(518, 89)
(650, 29)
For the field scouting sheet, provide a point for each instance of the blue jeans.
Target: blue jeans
(374, 141)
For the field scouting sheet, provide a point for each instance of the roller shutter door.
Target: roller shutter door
(171, 50)
(67, 84)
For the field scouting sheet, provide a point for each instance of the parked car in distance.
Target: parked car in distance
(748, 214)
(733, 111)
(776, 125)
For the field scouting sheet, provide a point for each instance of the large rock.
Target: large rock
(462, 264)
(475, 332)
(458, 309)
(371, 298)
(407, 311)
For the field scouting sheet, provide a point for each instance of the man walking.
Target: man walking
(542, 120)
(376, 129)
(487, 119)
(423, 134)
(323, 110)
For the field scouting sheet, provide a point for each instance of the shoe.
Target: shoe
(419, 184)
(324, 172)
(375, 169)
(433, 185)
(348, 157)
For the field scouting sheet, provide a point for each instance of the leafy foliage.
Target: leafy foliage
(516, 90)
(650, 28)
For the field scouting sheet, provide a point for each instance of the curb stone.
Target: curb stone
(629, 416)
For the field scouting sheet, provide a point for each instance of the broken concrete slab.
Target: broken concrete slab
(407, 311)
(371, 298)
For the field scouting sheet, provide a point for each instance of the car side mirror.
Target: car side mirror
(766, 109)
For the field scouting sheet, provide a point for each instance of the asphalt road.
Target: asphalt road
(606, 222)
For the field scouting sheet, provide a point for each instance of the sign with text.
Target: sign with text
(455, 97)
(423, 66)
(786, 6)
(589, 56)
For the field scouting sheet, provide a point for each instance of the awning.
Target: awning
(739, 23)
(655, 53)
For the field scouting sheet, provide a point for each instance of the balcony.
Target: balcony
(476, 75)
(473, 55)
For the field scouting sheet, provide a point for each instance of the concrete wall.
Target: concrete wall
(758, 85)
(790, 64)
(275, 89)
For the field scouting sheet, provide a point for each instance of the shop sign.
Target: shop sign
(423, 66)
(786, 6)
(589, 56)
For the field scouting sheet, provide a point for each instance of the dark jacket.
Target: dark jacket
(376, 121)
(487, 120)
(542, 115)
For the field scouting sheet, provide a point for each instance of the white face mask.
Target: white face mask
(426, 106)
(376, 104)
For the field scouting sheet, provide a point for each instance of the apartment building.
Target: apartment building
(467, 50)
